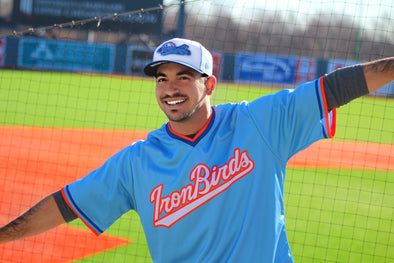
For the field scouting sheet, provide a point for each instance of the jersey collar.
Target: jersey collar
(201, 134)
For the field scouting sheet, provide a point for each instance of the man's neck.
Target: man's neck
(192, 127)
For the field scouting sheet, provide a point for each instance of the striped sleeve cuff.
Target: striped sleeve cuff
(84, 218)
(329, 117)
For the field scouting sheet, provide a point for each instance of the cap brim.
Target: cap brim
(151, 68)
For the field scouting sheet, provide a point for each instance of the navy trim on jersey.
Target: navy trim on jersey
(192, 142)
(322, 115)
(80, 212)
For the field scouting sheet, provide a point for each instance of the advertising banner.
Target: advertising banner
(2, 51)
(333, 64)
(305, 70)
(217, 62)
(59, 55)
(264, 68)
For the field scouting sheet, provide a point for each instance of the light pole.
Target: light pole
(359, 32)
(181, 19)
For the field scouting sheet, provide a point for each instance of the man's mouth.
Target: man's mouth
(175, 102)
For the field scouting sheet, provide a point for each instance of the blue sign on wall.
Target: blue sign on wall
(2, 51)
(260, 68)
(63, 55)
(334, 64)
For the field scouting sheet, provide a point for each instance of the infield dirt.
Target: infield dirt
(35, 162)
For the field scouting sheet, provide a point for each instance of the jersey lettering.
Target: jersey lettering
(206, 183)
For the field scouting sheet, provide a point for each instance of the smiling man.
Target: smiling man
(183, 88)
(183, 95)
(208, 185)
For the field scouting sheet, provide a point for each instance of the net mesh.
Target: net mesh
(73, 94)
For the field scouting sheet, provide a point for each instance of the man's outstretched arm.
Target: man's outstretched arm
(44, 216)
(346, 84)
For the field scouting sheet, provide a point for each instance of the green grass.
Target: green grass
(48, 99)
(340, 215)
(332, 215)
(74, 100)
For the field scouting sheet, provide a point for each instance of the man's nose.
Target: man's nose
(172, 87)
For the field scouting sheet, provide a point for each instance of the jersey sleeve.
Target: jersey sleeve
(104, 195)
(291, 120)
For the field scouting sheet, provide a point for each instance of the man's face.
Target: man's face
(182, 93)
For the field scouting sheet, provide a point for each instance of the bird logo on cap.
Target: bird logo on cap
(170, 48)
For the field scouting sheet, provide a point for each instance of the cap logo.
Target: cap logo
(170, 48)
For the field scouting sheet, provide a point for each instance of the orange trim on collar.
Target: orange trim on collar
(196, 136)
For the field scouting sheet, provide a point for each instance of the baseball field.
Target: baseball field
(56, 127)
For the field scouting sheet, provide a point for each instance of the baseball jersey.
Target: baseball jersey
(219, 196)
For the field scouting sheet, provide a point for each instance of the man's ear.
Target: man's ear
(210, 84)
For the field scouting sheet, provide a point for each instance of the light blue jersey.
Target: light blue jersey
(219, 197)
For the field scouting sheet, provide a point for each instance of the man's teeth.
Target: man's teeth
(175, 102)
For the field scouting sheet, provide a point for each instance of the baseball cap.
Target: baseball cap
(182, 51)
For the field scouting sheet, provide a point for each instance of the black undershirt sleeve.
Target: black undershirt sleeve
(67, 213)
(343, 85)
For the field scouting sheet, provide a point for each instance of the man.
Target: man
(208, 185)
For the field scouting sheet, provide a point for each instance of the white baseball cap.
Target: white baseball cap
(182, 51)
